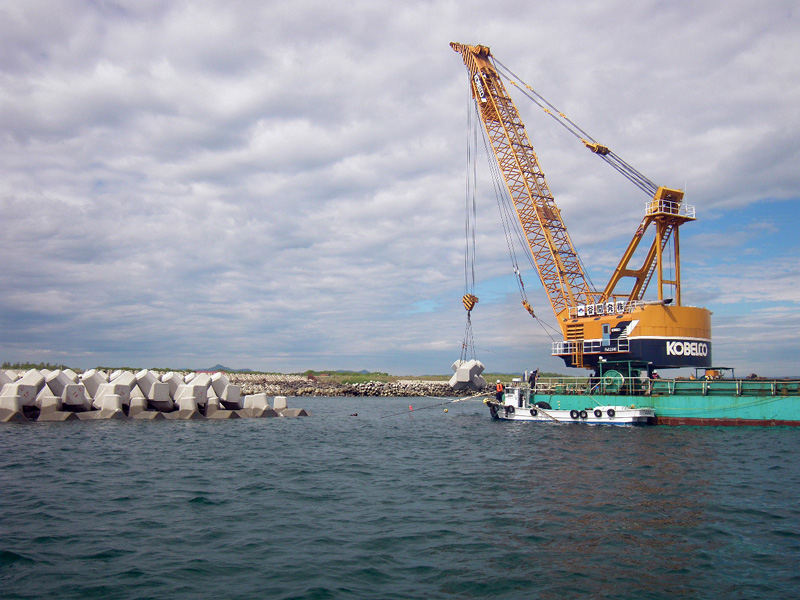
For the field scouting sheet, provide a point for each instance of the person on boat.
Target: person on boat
(594, 381)
(498, 388)
(533, 377)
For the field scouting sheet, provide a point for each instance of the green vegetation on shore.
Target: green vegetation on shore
(353, 377)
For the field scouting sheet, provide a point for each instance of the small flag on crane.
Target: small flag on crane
(469, 301)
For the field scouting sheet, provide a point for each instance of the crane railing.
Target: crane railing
(669, 207)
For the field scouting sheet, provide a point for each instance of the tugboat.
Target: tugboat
(519, 404)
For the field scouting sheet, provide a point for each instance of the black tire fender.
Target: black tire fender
(583, 414)
(611, 412)
(574, 414)
(534, 412)
(598, 413)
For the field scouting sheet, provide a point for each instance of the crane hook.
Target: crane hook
(469, 301)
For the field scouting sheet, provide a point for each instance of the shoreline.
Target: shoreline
(297, 385)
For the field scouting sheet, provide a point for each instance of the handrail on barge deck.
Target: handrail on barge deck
(634, 386)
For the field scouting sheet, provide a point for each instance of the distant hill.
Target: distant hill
(226, 369)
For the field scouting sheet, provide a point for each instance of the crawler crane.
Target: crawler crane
(599, 326)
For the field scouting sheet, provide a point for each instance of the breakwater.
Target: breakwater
(297, 385)
(63, 395)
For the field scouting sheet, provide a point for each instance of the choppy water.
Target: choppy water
(418, 505)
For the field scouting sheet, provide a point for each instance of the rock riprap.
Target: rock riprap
(297, 385)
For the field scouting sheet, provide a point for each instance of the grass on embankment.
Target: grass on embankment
(358, 377)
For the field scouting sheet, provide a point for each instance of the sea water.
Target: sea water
(393, 503)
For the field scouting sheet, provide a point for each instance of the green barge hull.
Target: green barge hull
(729, 402)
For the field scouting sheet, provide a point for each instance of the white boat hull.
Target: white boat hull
(599, 415)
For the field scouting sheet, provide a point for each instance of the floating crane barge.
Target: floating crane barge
(618, 334)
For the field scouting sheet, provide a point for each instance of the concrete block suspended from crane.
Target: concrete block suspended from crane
(467, 375)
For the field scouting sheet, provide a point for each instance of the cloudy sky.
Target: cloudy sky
(281, 185)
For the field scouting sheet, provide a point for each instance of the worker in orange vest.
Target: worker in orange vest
(499, 391)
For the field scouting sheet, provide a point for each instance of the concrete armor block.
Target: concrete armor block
(91, 380)
(294, 412)
(184, 414)
(148, 415)
(57, 416)
(111, 402)
(32, 377)
(72, 375)
(48, 403)
(203, 379)
(11, 409)
(119, 389)
(57, 381)
(74, 396)
(213, 411)
(279, 403)
(153, 389)
(123, 378)
(231, 397)
(219, 381)
(190, 399)
(159, 392)
(173, 380)
(22, 393)
(256, 406)
(258, 401)
(191, 394)
(101, 415)
(467, 375)
(137, 406)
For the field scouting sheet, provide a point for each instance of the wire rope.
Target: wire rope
(612, 159)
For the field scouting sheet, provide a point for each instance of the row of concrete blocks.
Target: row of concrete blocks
(65, 395)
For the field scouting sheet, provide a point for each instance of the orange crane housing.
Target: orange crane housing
(598, 326)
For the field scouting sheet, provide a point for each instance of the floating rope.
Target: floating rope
(412, 410)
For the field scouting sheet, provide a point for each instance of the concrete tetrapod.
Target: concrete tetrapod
(91, 380)
(63, 395)
(14, 397)
(111, 408)
(257, 406)
(467, 375)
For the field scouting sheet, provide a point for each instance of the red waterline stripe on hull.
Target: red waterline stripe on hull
(726, 422)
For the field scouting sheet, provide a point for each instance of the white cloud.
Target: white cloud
(281, 184)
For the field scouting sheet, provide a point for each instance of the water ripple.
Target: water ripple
(416, 505)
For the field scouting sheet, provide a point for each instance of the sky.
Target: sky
(280, 186)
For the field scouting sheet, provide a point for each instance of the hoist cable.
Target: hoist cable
(510, 223)
(470, 213)
(470, 226)
(612, 159)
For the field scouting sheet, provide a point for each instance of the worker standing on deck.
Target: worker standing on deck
(498, 391)
(533, 377)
